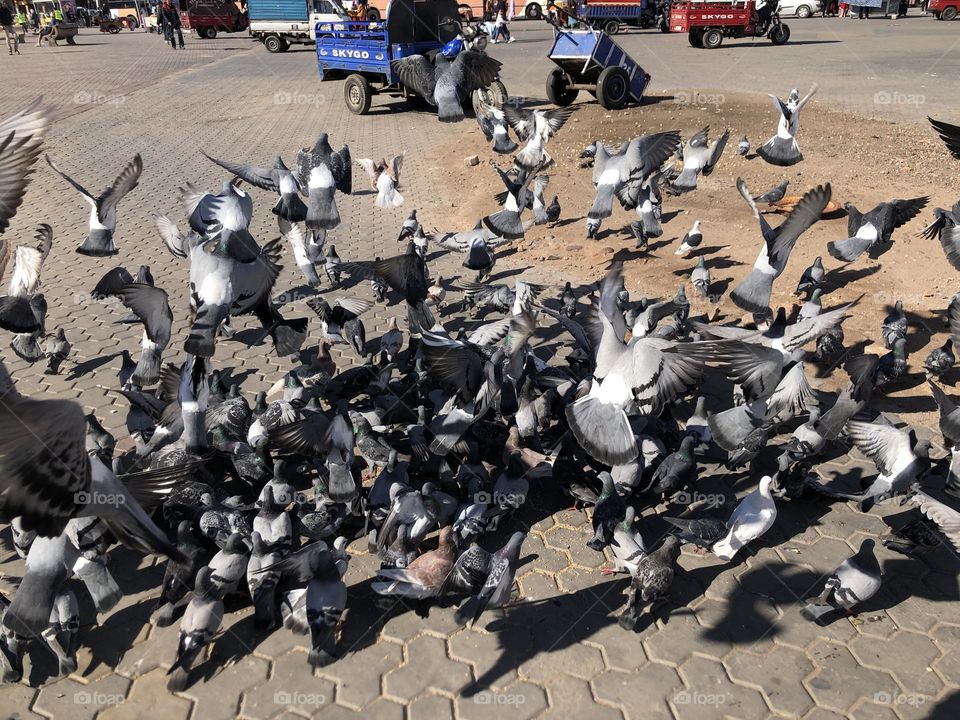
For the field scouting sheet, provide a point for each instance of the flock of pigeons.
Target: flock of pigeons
(436, 439)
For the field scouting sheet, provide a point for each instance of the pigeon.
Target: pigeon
(812, 307)
(652, 581)
(21, 138)
(743, 147)
(941, 359)
(201, 621)
(782, 149)
(607, 513)
(279, 179)
(178, 577)
(691, 241)
(946, 228)
(677, 471)
(753, 292)
(493, 123)
(373, 168)
(61, 635)
(343, 318)
(410, 226)
(151, 307)
(949, 415)
(853, 582)
(535, 127)
(57, 350)
(699, 156)
(322, 172)
(445, 83)
(568, 301)
(773, 195)
(895, 325)
(700, 278)
(423, 578)
(811, 278)
(498, 584)
(331, 265)
(700, 531)
(387, 182)
(307, 249)
(639, 159)
(946, 518)
(103, 209)
(391, 342)
(478, 244)
(869, 230)
(752, 517)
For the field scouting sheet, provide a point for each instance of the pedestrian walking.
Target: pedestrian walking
(35, 20)
(6, 22)
(22, 20)
(172, 31)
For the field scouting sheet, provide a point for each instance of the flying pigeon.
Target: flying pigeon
(699, 156)
(447, 84)
(868, 230)
(279, 179)
(493, 123)
(782, 149)
(536, 127)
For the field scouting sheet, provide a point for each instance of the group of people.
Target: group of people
(15, 21)
(495, 21)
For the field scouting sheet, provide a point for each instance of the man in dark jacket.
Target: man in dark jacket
(170, 18)
(6, 24)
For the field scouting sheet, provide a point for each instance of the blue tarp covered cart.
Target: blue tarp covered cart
(590, 60)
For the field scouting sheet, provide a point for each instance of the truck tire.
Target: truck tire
(357, 94)
(611, 27)
(373, 15)
(712, 38)
(533, 11)
(613, 88)
(779, 34)
(557, 91)
(695, 37)
(274, 44)
(113, 29)
(211, 33)
(132, 22)
(948, 13)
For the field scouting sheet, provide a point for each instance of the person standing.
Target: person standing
(57, 15)
(171, 24)
(22, 18)
(6, 22)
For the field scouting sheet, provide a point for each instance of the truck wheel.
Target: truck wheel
(804, 12)
(533, 11)
(948, 13)
(779, 34)
(132, 22)
(611, 27)
(495, 94)
(211, 33)
(712, 38)
(613, 88)
(274, 44)
(696, 38)
(373, 15)
(357, 94)
(557, 91)
(113, 29)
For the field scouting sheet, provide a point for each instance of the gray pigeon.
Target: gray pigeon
(782, 149)
(57, 350)
(652, 580)
(103, 209)
(536, 127)
(493, 123)
(811, 278)
(874, 228)
(854, 581)
(447, 84)
(699, 156)
(61, 635)
(609, 511)
(743, 147)
(279, 179)
(498, 585)
(322, 172)
(151, 306)
(946, 228)
(201, 621)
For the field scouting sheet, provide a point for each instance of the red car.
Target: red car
(944, 9)
(207, 17)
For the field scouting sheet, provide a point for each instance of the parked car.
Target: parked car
(944, 9)
(800, 8)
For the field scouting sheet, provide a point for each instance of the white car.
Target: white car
(800, 8)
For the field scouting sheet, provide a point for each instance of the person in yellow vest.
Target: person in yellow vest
(22, 18)
(57, 15)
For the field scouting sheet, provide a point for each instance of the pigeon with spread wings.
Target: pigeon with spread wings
(699, 156)
(21, 137)
(536, 127)
(869, 230)
(103, 209)
(447, 84)
(782, 149)
(279, 178)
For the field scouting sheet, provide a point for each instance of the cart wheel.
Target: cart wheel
(357, 94)
(779, 34)
(557, 90)
(696, 38)
(274, 43)
(113, 29)
(495, 94)
(373, 15)
(712, 38)
(948, 13)
(611, 27)
(613, 88)
(71, 41)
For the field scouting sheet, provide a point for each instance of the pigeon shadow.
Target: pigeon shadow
(668, 216)
(564, 223)
(109, 640)
(946, 709)
(841, 277)
(82, 368)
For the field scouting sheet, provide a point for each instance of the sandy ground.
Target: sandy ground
(866, 162)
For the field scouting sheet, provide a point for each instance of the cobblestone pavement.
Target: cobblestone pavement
(729, 643)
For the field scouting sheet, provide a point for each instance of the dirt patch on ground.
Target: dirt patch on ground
(865, 161)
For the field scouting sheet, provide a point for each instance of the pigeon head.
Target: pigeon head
(235, 544)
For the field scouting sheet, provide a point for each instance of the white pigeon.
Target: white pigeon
(782, 149)
(388, 182)
(535, 127)
(691, 241)
(754, 515)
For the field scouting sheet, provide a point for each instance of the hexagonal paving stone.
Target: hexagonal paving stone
(641, 694)
(18, 698)
(520, 701)
(621, 650)
(675, 640)
(872, 711)
(484, 652)
(292, 687)
(358, 675)
(570, 697)
(577, 659)
(379, 710)
(148, 697)
(68, 698)
(839, 681)
(710, 693)
(428, 707)
(574, 543)
(219, 696)
(907, 655)
(779, 673)
(536, 585)
(427, 667)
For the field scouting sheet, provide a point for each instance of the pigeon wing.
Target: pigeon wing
(804, 214)
(946, 518)
(884, 444)
(418, 74)
(126, 181)
(950, 134)
(150, 305)
(262, 178)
